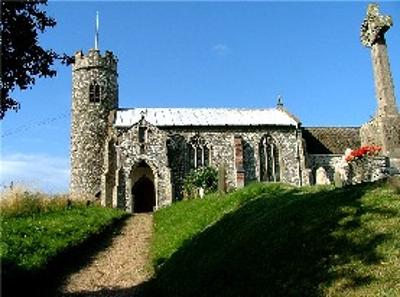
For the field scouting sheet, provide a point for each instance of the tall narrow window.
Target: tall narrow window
(269, 160)
(142, 137)
(142, 134)
(94, 92)
(199, 152)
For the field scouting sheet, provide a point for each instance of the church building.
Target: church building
(137, 158)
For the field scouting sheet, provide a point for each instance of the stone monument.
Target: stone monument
(384, 128)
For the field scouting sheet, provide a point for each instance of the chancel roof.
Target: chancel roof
(331, 140)
(205, 117)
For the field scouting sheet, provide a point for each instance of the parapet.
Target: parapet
(94, 59)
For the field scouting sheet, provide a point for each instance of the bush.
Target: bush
(202, 177)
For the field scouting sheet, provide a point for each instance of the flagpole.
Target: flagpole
(96, 37)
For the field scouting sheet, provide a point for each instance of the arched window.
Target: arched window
(199, 152)
(94, 92)
(269, 159)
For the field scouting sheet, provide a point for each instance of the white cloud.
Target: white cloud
(38, 171)
(221, 49)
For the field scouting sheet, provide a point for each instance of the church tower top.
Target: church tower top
(94, 59)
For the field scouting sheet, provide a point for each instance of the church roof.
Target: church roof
(205, 117)
(331, 140)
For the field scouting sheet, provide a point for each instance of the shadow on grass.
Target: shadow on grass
(282, 244)
(46, 282)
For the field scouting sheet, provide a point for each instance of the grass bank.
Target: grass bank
(38, 229)
(275, 240)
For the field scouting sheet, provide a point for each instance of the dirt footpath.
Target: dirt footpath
(119, 269)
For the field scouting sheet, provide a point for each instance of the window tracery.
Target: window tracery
(269, 160)
(199, 152)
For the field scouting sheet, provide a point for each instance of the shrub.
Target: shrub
(202, 177)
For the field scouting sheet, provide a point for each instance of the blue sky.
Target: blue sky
(200, 54)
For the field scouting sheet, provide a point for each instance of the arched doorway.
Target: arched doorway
(144, 195)
(143, 190)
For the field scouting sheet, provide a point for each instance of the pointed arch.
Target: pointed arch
(143, 187)
(269, 159)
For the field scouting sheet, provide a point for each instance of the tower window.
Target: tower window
(94, 93)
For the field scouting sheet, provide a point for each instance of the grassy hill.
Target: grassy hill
(277, 240)
(40, 234)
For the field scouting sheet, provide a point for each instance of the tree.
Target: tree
(22, 58)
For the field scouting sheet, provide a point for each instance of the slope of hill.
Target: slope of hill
(276, 240)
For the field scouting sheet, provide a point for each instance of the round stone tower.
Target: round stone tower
(94, 96)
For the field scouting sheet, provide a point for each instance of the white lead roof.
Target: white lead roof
(205, 117)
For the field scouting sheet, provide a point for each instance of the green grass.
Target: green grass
(30, 239)
(275, 240)
(176, 224)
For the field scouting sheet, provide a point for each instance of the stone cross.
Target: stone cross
(373, 31)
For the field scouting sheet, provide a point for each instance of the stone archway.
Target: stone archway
(143, 188)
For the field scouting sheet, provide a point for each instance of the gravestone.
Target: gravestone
(321, 177)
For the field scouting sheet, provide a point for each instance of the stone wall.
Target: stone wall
(154, 153)
(167, 152)
(109, 180)
(368, 169)
(365, 170)
(385, 132)
(328, 162)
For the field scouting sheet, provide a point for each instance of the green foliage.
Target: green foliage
(22, 58)
(275, 240)
(202, 177)
(29, 241)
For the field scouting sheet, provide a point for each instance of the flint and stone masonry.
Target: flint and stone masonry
(94, 95)
(137, 159)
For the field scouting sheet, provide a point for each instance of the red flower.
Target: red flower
(363, 151)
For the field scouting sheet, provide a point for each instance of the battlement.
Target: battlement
(94, 59)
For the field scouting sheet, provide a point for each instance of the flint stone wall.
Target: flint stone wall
(366, 170)
(328, 162)
(167, 153)
(90, 120)
(154, 154)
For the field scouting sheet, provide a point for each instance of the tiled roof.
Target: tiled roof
(331, 140)
(205, 117)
